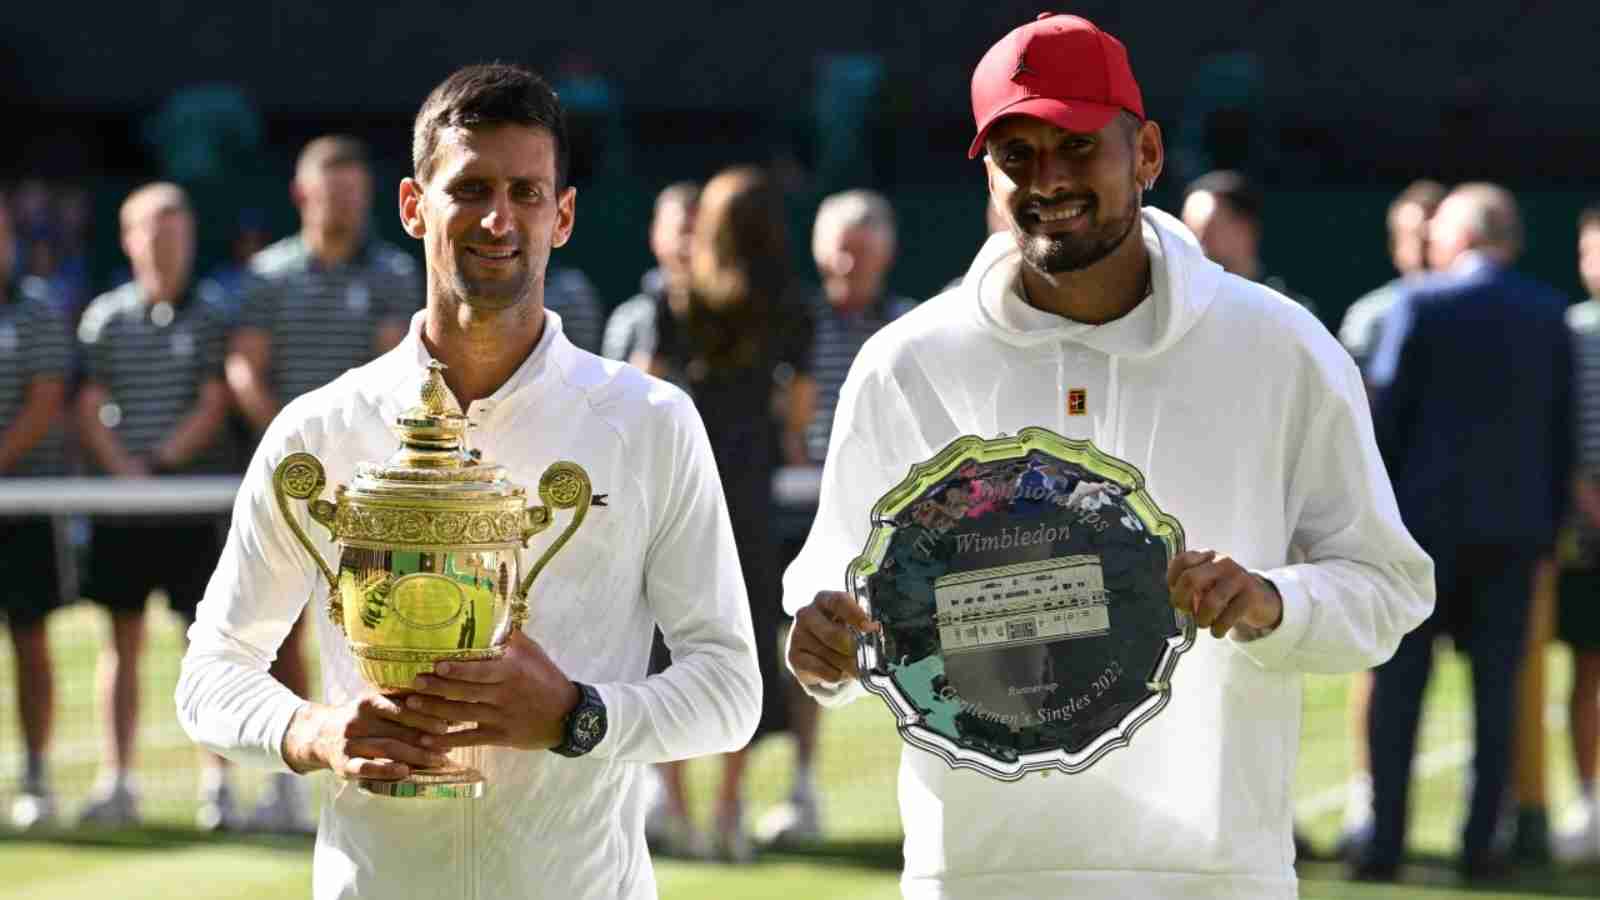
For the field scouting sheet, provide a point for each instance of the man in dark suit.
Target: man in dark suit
(1473, 413)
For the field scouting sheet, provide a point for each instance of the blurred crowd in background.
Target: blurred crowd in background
(162, 369)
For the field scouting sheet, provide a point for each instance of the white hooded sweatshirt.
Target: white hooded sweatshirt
(1251, 426)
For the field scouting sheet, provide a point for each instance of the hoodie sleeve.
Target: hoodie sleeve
(1364, 582)
(858, 470)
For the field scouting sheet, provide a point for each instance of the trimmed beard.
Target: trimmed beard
(1054, 255)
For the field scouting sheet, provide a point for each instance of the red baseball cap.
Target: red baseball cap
(1059, 68)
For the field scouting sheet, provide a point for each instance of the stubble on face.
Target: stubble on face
(494, 215)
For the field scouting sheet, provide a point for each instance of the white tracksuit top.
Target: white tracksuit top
(660, 550)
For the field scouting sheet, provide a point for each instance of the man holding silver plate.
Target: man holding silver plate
(1042, 483)
(452, 661)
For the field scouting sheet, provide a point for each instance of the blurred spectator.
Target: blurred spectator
(1408, 250)
(745, 347)
(569, 294)
(35, 356)
(1578, 621)
(1473, 414)
(853, 243)
(319, 302)
(1224, 210)
(640, 325)
(152, 402)
(641, 331)
(325, 300)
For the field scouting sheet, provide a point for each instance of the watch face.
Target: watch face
(588, 727)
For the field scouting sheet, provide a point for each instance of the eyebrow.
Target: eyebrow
(539, 181)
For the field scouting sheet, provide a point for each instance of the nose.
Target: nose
(497, 220)
(1055, 174)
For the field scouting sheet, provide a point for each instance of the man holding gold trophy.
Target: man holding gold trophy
(1044, 482)
(488, 712)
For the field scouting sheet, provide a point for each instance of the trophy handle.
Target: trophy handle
(565, 485)
(301, 476)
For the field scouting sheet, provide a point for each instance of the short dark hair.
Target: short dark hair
(1590, 217)
(484, 96)
(1232, 188)
(332, 150)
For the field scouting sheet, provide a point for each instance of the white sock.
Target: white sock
(212, 779)
(1358, 800)
(117, 781)
(804, 783)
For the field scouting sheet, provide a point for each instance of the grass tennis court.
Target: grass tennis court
(167, 857)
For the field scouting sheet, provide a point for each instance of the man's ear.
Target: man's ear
(411, 208)
(566, 217)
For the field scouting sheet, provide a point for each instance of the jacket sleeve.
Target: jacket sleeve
(227, 701)
(709, 699)
(1364, 582)
(870, 426)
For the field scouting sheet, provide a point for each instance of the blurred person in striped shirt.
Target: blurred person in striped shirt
(35, 358)
(152, 402)
(853, 242)
(1578, 617)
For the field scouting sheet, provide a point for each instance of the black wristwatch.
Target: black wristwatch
(584, 727)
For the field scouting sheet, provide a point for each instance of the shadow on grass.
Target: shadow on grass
(879, 855)
(1438, 872)
(154, 837)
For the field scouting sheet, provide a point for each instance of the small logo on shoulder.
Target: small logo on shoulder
(1077, 402)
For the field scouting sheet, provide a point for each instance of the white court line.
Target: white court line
(1435, 762)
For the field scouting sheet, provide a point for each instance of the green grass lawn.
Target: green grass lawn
(859, 756)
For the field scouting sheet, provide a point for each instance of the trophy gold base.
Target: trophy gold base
(439, 783)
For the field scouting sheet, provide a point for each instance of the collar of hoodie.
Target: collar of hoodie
(1183, 284)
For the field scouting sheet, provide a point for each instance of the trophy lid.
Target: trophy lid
(433, 456)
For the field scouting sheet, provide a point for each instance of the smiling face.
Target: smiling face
(489, 214)
(1070, 198)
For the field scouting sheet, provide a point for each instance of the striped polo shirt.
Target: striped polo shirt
(322, 319)
(1584, 321)
(836, 340)
(569, 294)
(35, 342)
(153, 360)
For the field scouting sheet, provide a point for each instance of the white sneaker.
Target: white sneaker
(33, 809)
(218, 811)
(112, 807)
(797, 820)
(282, 809)
(1579, 841)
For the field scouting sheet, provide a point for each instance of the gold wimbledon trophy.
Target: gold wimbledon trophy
(429, 568)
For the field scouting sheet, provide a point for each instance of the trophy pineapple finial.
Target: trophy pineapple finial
(436, 397)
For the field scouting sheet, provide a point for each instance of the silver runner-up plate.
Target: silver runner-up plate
(1020, 588)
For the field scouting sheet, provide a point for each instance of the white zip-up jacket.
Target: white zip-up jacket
(659, 551)
(1251, 426)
